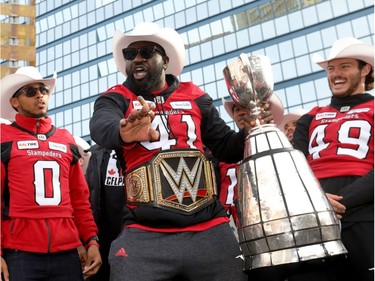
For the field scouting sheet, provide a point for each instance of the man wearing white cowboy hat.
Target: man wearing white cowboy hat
(10, 84)
(175, 227)
(338, 141)
(45, 199)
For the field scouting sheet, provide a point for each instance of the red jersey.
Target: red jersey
(185, 119)
(46, 199)
(175, 116)
(341, 138)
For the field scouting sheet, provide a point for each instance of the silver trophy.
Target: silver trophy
(284, 215)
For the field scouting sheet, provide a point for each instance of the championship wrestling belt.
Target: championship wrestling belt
(182, 181)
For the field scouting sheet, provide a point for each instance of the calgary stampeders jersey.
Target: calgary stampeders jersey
(177, 119)
(228, 188)
(45, 195)
(342, 133)
(185, 118)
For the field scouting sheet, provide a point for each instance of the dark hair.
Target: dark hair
(369, 81)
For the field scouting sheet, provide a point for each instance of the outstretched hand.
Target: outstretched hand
(137, 127)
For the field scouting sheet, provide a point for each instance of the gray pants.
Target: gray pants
(211, 255)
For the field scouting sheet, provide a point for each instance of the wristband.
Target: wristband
(93, 238)
(92, 242)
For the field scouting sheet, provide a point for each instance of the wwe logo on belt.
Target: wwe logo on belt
(186, 188)
(184, 178)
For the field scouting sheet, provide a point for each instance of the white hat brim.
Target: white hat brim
(228, 106)
(82, 146)
(13, 82)
(357, 50)
(4, 121)
(167, 38)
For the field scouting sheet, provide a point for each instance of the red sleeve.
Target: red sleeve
(3, 174)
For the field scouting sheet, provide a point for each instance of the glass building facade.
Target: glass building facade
(74, 38)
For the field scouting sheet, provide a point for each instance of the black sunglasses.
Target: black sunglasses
(146, 52)
(32, 91)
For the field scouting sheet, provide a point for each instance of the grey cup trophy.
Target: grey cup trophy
(284, 215)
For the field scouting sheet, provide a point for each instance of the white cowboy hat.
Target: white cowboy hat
(291, 116)
(13, 82)
(167, 38)
(347, 48)
(276, 107)
(83, 148)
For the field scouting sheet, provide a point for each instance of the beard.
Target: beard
(32, 112)
(354, 82)
(151, 81)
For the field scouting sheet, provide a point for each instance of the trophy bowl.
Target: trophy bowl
(249, 80)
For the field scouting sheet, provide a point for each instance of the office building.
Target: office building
(75, 39)
(17, 30)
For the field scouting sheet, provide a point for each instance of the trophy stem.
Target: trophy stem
(256, 115)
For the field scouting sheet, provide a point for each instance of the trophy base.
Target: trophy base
(294, 255)
(284, 215)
